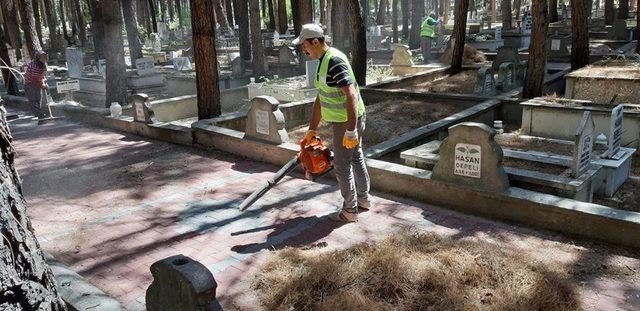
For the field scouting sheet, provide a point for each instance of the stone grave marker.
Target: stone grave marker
(142, 108)
(507, 76)
(583, 147)
(470, 157)
(615, 133)
(265, 121)
(102, 68)
(401, 56)
(182, 64)
(619, 30)
(181, 283)
(145, 66)
(485, 84)
(156, 42)
(12, 57)
(474, 29)
(497, 35)
(527, 24)
(311, 68)
(505, 54)
(287, 55)
(75, 62)
(557, 46)
(237, 64)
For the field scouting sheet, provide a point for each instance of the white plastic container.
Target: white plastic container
(116, 110)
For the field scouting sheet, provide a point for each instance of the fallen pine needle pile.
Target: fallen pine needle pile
(411, 271)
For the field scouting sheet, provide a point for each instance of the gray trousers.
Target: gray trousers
(425, 45)
(37, 100)
(349, 167)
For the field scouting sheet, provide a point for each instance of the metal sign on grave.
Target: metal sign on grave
(615, 133)
(68, 86)
(468, 160)
(583, 147)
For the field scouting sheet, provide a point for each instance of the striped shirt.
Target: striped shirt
(338, 75)
(35, 73)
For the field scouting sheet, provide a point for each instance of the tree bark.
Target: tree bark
(505, 8)
(459, 31)
(380, 19)
(36, 15)
(241, 10)
(359, 42)
(28, 283)
(135, 47)
(29, 27)
(365, 9)
(63, 21)
(517, 6)
(10, 13)
(257, 50)
(179, 12)
(271, 26)
(221, 18)
(97, 29)
(394, 20)
(228, 6)
(172, 10)
(609, 14)
(534, 78)
(579, 35)
(404, 6)
(163, 10)
(82, 29)
(447, 9)
(152, 12)
(7, 76)
(52, 24)
(623, 9)
(116, 78)
(282, 16)
(638, 28)
(553, 11)
(304, 14)
(204, 51)
(417, 13)
(338, 17)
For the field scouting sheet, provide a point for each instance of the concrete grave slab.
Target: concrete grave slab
(75, 62)
(265, 121)
(182, 64)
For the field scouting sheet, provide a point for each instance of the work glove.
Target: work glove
(350, 139)
(309, 136)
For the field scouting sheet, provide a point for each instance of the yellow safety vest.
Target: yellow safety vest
(428, 30)
(333, 101)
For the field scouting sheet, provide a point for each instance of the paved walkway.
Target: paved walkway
(110, 204)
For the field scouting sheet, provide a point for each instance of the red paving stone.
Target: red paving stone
(110, 204)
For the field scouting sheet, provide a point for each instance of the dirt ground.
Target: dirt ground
(462, 83)
(470, 56)
(387, 120)
(628, 196)
(515, 141)
(534, 166)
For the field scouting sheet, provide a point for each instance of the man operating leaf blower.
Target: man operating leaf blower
(340, 105)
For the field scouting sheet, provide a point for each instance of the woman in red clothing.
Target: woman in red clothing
(35, 85)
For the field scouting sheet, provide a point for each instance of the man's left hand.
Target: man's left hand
(350, 139)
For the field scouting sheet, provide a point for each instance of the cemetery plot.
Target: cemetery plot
(628, 196)
(606, 81)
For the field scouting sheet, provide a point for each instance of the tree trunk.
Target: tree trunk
(204, 51)
(63, 21)
(163, 10)
(459, 31)
(505, 8)
(304, 14)
(82, 29)
(10, 13)
(97, 29)
(638, 28)
(534, 78)
(152, 12)
(365, 9)
(394, 19)
(172, 10)
(447, 9)
(295, 15)
(404, 6)
(579, 35)
(358, 42)
(623, 9)
(36, 15)
(282, 16)
(553, 11)
(135, 48)
(221, 18)
(417, 13)
(7, 76)
(323, 15)
(609, 14)
(380, 19)
(27, 281)
(272, 16)
(52, 24)
(114, 54)
(257, 51)
(179, 12)
(228, 7)
(518, 5)
(241, 10)
(29, 27)
(338, 18)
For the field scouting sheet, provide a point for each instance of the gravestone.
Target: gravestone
(506, 76)
(474, 29)
(265, 121)
(287, 55)
(182, 64)
(615, 133)
(102, 68)
(156, 42)
(75, 62)
(558, 46)
(401, 56)
(12, 56)
(311, 68)
(583, 147)
(145, 66)
(485, 84)
(497, 34)
(505, 54)
(237, 65)
(142, 108)
(181, 283)
(619, 30)
(527, 24)
(470, 157)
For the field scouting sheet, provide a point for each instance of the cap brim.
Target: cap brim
(296, 41)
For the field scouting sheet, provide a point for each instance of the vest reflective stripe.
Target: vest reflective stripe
(332, 100)
(428, 30)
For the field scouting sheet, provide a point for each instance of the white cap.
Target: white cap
(309, 31)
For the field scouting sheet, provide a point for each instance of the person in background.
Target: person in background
(427, 34)
(35, 85)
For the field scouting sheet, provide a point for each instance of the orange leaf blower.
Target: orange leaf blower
(314, 157)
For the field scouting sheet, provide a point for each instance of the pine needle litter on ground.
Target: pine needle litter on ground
(411, 271)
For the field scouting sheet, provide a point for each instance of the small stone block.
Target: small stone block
(142, 108)
(265, 121)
